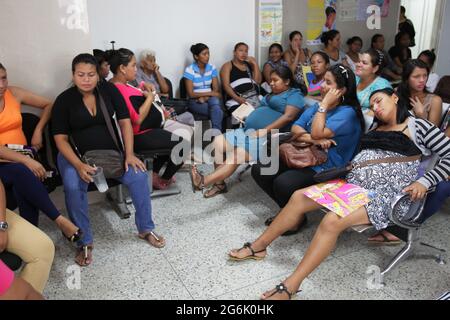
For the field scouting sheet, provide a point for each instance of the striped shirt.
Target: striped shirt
(430, 140)
(202, 82)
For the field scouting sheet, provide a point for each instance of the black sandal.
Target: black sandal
(77, 236)
(253, 256)
(195, 187)
(219, 187)
(281, 288)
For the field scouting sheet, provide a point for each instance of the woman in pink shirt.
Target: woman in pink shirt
(12, 288)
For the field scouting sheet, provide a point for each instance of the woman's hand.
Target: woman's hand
(331, 99)
(35, 167)
(203, 99)
(149, 87)
(135, 163)
(259, 133)
(418, 107)
(325, 144)
(417, 191)
(86, 172)
(37, 140)
(252, 60)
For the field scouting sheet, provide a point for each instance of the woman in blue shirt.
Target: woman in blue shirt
(339, 126)
(368, 69)
(277, 111)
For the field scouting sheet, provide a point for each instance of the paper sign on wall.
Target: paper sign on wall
(270, 22)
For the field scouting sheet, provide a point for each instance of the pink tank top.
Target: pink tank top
(6, 278)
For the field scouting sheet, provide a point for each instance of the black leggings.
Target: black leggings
(26, 191)
(282, 185)
(158, 139)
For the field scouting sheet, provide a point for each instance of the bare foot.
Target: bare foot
(384, 237)
(153, 239)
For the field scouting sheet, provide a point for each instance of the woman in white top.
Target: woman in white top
(332, 46)
(354, 49)
(429, 57)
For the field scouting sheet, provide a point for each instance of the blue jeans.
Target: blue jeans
(212, 109)
(76, 198)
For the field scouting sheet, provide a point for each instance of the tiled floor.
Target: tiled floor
(199, 234)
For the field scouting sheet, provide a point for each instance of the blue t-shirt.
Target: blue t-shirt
(346, 127)
(364, 95)
(273, 107)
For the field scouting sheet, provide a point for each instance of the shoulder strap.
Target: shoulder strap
(108, 121)
(386, 160)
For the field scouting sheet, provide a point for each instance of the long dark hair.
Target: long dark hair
(121, 57)
(402, 108)
(85, 58)
(345, 78)
(404, 91)
(2, 67)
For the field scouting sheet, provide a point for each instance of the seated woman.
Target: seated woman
(398, 135)
(102, 60)
(354, 49)
(320, 62)
(202, 86)
(413, 89)
(334, 121)
(400, 52)
(275, 60)
(148, 71)
(241, 78)
(77, 115)
(296, 57)
(429, 57)
(368, 81)
(140, 103)
(33, 246)
(391, 71)
(20, 173)
(332, 47)
(277, 111)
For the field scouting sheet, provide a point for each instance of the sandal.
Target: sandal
(385, 242)
(281, 288)
(192, 173)
(216, 189)
(253, 256)
(84, 256)
(154, 239)
(77, 236)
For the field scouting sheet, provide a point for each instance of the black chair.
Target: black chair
(169, 83)
(183, 95)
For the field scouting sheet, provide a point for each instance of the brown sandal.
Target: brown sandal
(154, 239)
(84, 256)
(216, 189)
(196, 187)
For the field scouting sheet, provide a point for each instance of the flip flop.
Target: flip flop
(385, 242)
(253, 256)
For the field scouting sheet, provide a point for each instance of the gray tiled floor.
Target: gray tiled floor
(199, 234)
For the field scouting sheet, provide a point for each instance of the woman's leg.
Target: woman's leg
(34, 247)
(32, 197)
(137, 184)
(289, 217)
(215, 113)
(322, 245)
(76, 199)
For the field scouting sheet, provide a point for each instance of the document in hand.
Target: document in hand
(243, 112)
(339, 196)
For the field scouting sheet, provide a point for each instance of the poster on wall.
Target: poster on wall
(321, 18)
(270, 22)
(364, 4)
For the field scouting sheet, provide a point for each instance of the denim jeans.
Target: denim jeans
(211, 109)
(76, 198)
(436, 199)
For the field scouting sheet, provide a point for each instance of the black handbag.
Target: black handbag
(112, 161)
(154, 119)
(179, 105)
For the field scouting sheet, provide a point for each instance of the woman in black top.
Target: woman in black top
(77, 114)
(401, 53)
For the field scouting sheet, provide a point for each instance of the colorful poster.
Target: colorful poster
(339, 196)
(270, 22)
(364, 4)
(321, 18)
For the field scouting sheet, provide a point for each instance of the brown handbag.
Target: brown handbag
(298, 155)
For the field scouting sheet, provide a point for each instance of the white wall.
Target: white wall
(38, 41)
(170, 27)
(443, 50)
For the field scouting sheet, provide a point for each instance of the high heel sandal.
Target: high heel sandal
(195, 187)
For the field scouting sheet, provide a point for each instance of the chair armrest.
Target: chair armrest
(412, 219)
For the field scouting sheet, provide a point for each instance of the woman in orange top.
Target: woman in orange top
(11, 99)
